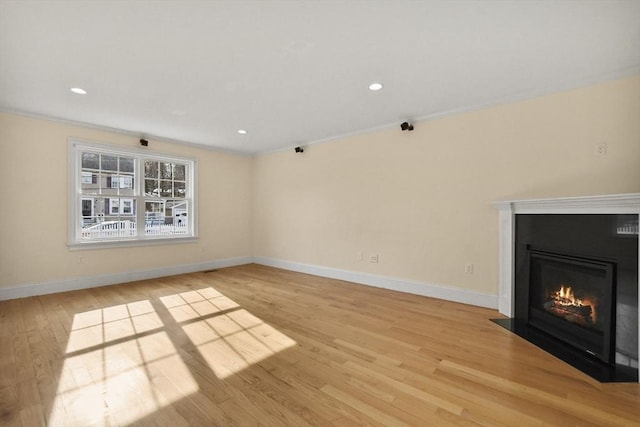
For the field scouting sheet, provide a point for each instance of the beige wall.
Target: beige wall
(418, 199)
(33, 224)
(421, 199)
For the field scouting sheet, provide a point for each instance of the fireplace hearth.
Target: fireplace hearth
(569, 280)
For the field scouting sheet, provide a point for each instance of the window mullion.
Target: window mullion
(77, 190)
(138, 174)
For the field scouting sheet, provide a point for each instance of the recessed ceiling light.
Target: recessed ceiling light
(78, 91)
(375, 86)
(242, 132)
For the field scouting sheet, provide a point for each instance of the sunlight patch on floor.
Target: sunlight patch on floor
(229, 341)
(118, 369)
(194, 304)
(97, 327)
(122, 365)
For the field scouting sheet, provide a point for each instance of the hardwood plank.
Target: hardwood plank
(365, 409)
(587, 412)
(9, 406)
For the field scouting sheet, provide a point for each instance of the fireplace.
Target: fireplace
(572, 298)
(569, 280)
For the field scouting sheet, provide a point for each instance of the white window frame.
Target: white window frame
(75, 224)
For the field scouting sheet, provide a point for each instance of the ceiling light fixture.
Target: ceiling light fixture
(242, 132)
(78, 90)
(375, 86)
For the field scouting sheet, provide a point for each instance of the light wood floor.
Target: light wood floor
(254, 345)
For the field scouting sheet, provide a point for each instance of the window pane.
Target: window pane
(108, 184)
(179, 172)
(166, 189)
(150, 169)
(151, 187)
(109, 163)
(154, 218)
(179, 213)
(153, 210)
(126, 164)
(166, 170)
(90, 161)
(166, 218)
(93, 210)
(124, 184)
(89, 183)
(179, 189)
(107, 218)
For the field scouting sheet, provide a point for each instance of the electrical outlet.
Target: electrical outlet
(468, 268)
(600, 149)
(373, 258)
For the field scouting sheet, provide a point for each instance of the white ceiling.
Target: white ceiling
(297, 72)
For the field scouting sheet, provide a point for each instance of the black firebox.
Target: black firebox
(572, 299)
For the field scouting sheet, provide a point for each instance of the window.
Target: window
(121, 206)
(121, 181)
(124, 196)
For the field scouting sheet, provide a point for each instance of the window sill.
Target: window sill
(109, 244)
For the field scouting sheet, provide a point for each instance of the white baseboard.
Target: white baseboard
(115, 278)
(412, 287)
(401, 285)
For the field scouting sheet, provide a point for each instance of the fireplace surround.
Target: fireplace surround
(569, 279)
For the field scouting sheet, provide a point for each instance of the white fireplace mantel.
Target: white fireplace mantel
(508, 209)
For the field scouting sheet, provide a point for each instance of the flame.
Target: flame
(565, 296)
